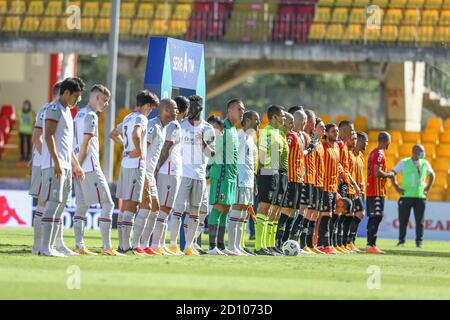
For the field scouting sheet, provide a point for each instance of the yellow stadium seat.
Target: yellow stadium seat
(103, 25)
(353, 32)
(393, 16)
(415, 4)
(433, 4)
(340, 15)
(215, 113)
(397, 3)
(443, 151)
(445, 18)
(361, 3)
(140, 27)
(30, 24)
(163, 11)
(145, 11)
(12, 23)
(159, 27)
(317, 31)
(441, 164)
(441, 180)
(182, 11)
(405, 150)
(411, 137)
(430, 137)
(177, 27)
(389, 33)
(430, 17)
(54, 8)
(434, 124)
(446, 4)
(357, 15)
(381, 3)
(437, 194)
(322, 15)
(361, 123)
(344, 3)
(48, 24)
(90, 9)
(17, 7)
(106, 10)
(3, 7)
(425, 35)
(430, 150)
(411, 17)
(407, 34)
(396, 135)
(127, 9)
(335, 32)
(340, 118)
(373, 136)
(124, 26)
(36, 8)
(371, 34)
(393, 150)
(442, 34)
(447, 124)
(325, 3)
(87, 24)
(444, 137)
(325, 118)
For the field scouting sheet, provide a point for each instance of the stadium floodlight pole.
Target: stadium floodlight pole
(113, 47)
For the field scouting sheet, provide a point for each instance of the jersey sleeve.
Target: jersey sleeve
(429, 168)
(209, 137)
(172, 133)
(119, 127)
(400, 166)
(152, 132)
(140, 121)
(379, 159)
(39, 123)
(90, 123)
(292, 141)
(53, 113)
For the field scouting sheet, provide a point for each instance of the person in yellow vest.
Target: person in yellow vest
(26, 123)
(417, 178)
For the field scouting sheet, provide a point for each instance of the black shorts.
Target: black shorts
(343, 189)
(328, 202)
(292, 198)
(282, 187)
(267, 187)
(317, 196)
(375, 206)
(306, 195)
(358, 204)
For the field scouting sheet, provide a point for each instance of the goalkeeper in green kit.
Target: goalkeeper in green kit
(223, 177)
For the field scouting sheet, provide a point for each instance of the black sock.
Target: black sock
(333, 229)
(287, 230)
(280, 230)
(295, 231)
(303, 232)
(310, 235)
(221, 238)
(377, 221)
(340, 230)
(353, 229)
(324, 231)
(346, 227)
(212, 233)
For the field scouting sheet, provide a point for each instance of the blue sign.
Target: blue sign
(175, 64)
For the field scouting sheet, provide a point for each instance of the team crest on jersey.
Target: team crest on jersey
(54, 107)
(289, 140)
(222, 197)
(93, 124)
(150, 131)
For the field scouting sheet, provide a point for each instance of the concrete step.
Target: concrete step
(14, 169)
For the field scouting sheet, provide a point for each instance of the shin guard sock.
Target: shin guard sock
(175, 223)
(346, 229)
(324, 231)
(105, 222)
(127, 225)
(287, 231)
(310, 234)
(259, 230)
(333, 229)
(37, 226)
(139, 225)
(353, 230)
(280, 230)
(303, 232)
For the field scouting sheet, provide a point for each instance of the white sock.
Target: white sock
(162, 240)
(47, 223)
(233, 220)
(119, 228)
(193, 222)
(159, 229)
(175, 222)
(37, 226)
(105, 222)
(139, 225)
(79, 221)
(128, 220)
(201, 225)
(148, 230)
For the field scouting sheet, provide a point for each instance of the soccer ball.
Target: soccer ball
(291, 248)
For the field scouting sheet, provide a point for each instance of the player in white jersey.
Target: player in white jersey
(94, 188)
(58, 162)
(246, 168)
(133, 186)
(149, 210)
(168, 172)
(36, 179)
(197, 146)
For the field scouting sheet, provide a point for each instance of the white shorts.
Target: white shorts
(245, 195)
(36, 181)
(205, 200)
(53, 189)
(153, 187)
(190, 193)
(167, 189)
(131, 184)
(93, 189)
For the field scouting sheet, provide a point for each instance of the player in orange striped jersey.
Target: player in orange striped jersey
(377, 176)
(313, 213)
(299, 228)
(292, 199)
(330, 186)
(358, 175)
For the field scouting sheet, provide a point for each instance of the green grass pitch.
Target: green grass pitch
(405, 273)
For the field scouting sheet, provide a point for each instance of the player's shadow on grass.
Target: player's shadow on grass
(419, 253)
(4, 248)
